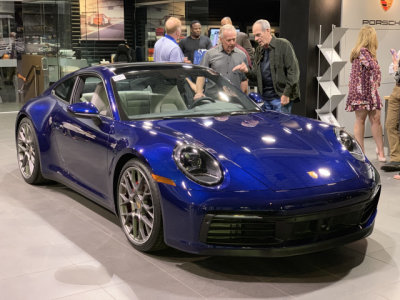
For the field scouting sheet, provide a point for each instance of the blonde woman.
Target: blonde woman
(363, 97)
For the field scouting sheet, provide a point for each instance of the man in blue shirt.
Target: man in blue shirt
(167, 49)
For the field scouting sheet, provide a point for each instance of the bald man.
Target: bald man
(167, 49)
(222, 59)
(241, 39)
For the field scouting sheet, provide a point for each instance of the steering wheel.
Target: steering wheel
(200, 101)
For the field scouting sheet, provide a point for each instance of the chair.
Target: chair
(123, 54)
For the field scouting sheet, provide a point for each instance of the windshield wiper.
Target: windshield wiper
(241, 112)
(184, 116)
(199, 115)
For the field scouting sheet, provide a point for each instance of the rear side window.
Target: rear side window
(64, 89)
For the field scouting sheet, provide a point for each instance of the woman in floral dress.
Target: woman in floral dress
(363, 97)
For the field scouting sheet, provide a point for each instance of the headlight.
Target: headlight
(349, 143)
(197, 164)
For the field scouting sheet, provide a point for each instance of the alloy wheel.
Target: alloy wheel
(26, 150)
(136, 208)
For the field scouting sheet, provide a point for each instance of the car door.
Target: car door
(61, 95)
(84, 141)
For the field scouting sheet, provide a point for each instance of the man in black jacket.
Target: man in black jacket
(275, 69)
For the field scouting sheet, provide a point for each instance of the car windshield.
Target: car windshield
(170, 93)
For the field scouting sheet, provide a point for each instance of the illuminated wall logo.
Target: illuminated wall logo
(386, 4)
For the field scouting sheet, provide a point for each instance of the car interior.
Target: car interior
(135, 99)
(150, 97)
(155, 95)
(95, 92)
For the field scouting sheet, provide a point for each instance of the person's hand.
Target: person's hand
(395, 59)
(198, 95)
(394, 55)
(242, 67)
(284, 100)
(186, 60)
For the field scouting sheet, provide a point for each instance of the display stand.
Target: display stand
(6, 63)
(327, 48)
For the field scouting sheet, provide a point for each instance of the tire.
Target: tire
(28, 153)
(139, 210)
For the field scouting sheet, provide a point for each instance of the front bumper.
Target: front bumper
(219, 223)
(292, 250)
(261, 234)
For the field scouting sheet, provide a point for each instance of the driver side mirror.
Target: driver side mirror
(256, 97)
(83, 109)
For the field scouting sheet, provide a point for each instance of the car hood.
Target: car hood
(282, 151)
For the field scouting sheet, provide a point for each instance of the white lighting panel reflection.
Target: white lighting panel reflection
(246, 149)
(324, 172)
(223, 96)
(269, 139)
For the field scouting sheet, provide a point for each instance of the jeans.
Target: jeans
(275, 104)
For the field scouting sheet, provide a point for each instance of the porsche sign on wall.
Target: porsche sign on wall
(382, 14)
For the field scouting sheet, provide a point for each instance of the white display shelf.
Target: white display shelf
(326, 81)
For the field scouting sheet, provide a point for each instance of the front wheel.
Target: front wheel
(139, 208)
(28, 152)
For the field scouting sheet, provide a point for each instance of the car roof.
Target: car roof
(119, 68)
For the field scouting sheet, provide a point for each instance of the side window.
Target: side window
(64, 89)
(88, 87)
(93, 90)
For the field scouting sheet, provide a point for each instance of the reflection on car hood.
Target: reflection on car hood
(283, 151)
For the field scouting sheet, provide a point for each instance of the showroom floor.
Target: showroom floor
(55, 244)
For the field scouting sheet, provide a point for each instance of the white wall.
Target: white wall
(353, 14)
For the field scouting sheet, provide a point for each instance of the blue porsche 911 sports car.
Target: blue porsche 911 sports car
(215, 175)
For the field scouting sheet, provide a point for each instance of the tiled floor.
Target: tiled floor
(55, 244)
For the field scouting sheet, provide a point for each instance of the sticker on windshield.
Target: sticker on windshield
(119, 77)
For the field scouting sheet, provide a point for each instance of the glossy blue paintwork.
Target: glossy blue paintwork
(83, 109)
(256, 97)
(266, 158)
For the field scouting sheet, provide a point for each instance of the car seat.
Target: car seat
(172, 101)
(100, 100)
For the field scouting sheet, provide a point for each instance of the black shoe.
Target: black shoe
(391, 166)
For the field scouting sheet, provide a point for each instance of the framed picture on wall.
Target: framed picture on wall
(102, 19)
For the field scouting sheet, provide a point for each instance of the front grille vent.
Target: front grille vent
(261, 229)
